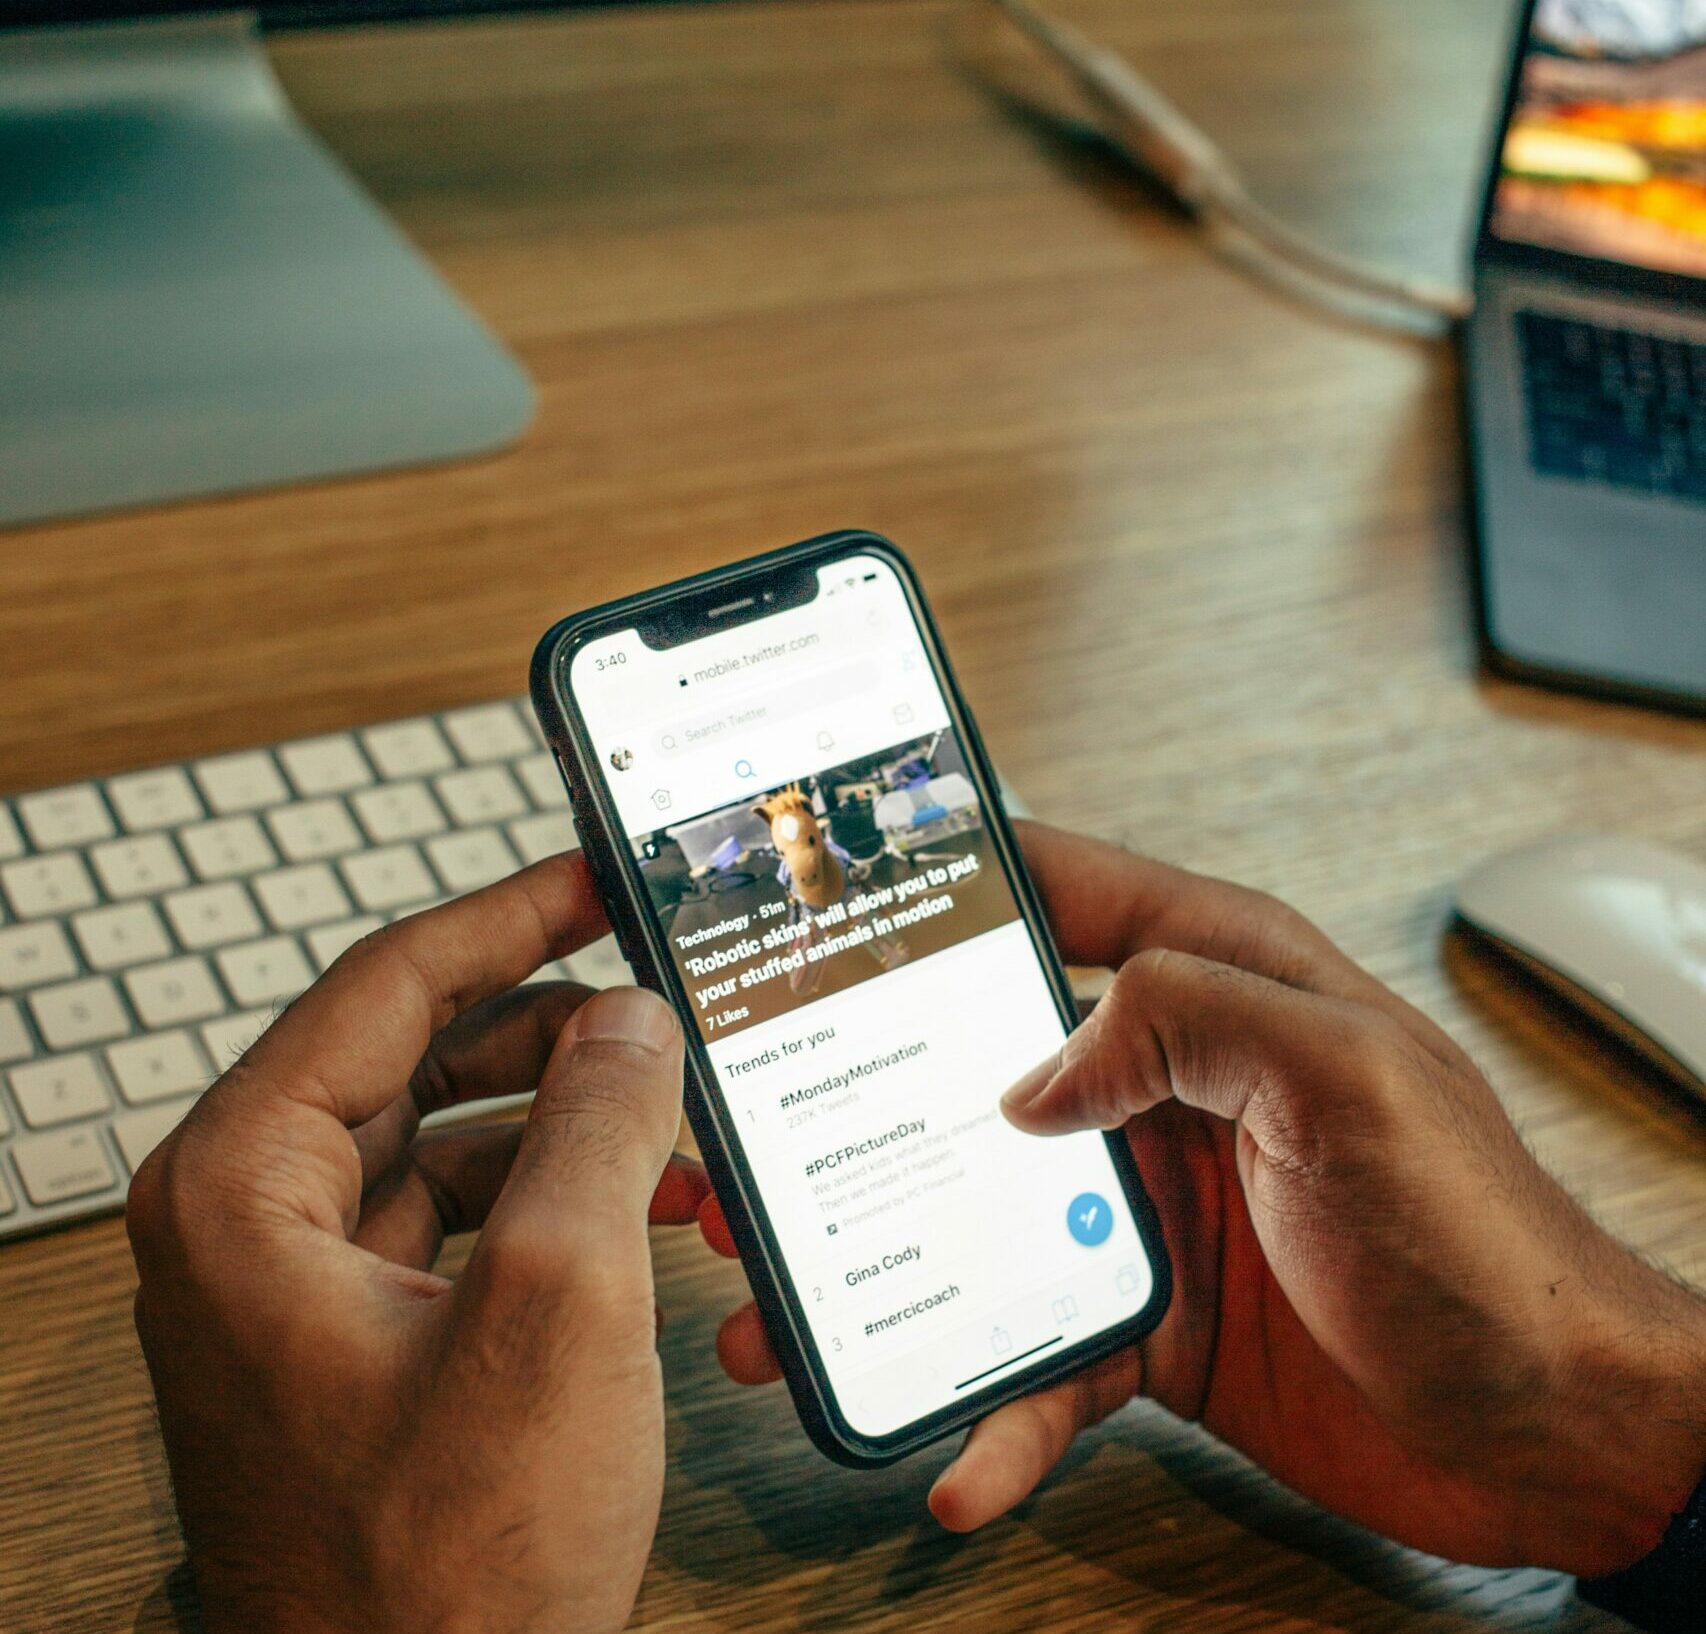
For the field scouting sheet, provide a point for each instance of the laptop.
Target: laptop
(1585, 360)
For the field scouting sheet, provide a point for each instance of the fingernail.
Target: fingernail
(629, 1015)
(1029, 1088)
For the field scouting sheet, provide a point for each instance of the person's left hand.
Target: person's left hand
(355, 1442)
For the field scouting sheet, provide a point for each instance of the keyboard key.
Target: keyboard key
(401, 811)
(213, 915)
(7, 1201)
(226, 1039)
(138, 1133)
(33, 954)
(11, 840)
(146, 866)
(227, 847)
(297, 897)
(465, 862)
(130, 933)
(15, 1042)
(329, 941)
(543, 781)
(408, 749)
(63, 817)
(488, 732)
(59, 1091)
(388, 878)
(240, 782)
(543, 836)
(264, 972)
(481, 794)
(41, 886)
(157, 1067)
(328, 765)
(78, 1013)
(314, 830)
(158, 799)
(601, 965)
(174, 991)
(58, 1167)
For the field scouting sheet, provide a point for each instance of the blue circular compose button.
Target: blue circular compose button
(1089, 1219)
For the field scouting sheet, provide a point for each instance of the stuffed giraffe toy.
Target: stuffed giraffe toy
(814, 868)
(814, 871)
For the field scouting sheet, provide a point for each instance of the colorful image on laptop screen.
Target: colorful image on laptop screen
(1606, 151)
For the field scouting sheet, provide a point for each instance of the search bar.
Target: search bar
(758, 710)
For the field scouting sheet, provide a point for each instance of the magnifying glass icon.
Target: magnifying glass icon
(743, 768)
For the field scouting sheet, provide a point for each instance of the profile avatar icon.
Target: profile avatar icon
(621, 759)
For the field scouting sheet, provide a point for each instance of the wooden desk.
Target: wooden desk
(1199, 554)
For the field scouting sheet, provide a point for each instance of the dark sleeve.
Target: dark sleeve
(1666, 1592)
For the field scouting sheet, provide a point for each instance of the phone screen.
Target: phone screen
(855, 961)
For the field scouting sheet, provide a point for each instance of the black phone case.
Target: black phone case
(619, 883)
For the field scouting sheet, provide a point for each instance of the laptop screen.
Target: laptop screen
(1605, 154)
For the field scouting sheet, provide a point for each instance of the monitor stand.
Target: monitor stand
(194, 296)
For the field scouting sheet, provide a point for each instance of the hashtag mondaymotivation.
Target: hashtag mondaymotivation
(851, 1075)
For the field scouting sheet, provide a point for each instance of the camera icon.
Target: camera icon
(661, 799)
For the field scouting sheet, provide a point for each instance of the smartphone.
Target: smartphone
(801, 845)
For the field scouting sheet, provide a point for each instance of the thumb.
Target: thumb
(1281, 1060)
(603, 1125)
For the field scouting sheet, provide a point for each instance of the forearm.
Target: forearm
(1641, 1437)
(1662, 1588)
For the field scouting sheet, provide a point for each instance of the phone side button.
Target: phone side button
(636, 962)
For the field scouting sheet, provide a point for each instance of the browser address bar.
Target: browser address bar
(759, 708)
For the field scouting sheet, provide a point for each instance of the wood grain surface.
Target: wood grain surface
(1198, 552)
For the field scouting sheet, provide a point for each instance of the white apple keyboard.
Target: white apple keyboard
(152, 924)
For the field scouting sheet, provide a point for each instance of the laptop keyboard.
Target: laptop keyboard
(152, 924)
(1614, 406)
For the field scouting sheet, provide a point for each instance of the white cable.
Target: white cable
(1150, 128)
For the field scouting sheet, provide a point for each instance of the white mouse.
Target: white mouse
(1618, 927)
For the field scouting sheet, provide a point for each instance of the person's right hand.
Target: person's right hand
(1379, 1294)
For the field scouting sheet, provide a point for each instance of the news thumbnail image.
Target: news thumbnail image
(811, 888)
(1606, 152)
